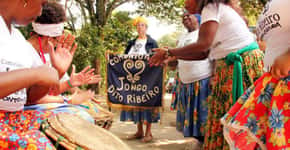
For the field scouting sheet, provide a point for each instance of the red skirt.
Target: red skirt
(261, 117)
(20, 131)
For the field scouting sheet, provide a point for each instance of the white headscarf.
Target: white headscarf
(51, 30)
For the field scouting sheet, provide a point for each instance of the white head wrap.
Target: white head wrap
(51, 30)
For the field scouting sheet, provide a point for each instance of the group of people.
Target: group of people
(247, 96)
(230, 94)
(32, 74)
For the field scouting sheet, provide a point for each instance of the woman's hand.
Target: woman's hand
(159, 56)
(61, 58)
(81, 97)
(86, 76)
(281, 66)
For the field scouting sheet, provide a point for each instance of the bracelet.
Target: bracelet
(69, 84)
(66, 100)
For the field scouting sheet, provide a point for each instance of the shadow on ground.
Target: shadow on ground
(166, 137)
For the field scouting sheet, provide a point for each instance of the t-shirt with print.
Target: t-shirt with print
(15, 53)
(139, 47)
(274, 28)
(191, 71)
(232, 33)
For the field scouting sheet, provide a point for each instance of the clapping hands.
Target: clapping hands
(62, 56)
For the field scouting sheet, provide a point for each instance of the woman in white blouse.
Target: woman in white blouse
(225, 39)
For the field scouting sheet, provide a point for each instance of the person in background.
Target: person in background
(225, 39)
(22, 77)
(143, 44)
(48, 29)
(260, 118)
(193, 88)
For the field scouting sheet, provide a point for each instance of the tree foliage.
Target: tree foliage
(92, 47)
(252, 9)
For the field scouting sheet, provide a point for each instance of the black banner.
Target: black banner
(132, 83)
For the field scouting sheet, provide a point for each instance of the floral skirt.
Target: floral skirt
(192, 108)
(261, 116)
(175, 91)
(220, 99)
(20, 131)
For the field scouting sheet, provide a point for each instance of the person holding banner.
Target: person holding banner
(143, 44)
(193, 88)
(225, 39)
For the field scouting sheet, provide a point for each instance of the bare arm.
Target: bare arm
(198, 50)
(86, 76)
(42, 76)
(47, 99)
(194, 51)
(13, 81)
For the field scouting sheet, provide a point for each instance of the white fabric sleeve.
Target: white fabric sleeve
(210, 13)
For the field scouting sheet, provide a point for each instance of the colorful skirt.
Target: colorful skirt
(141, 116)
(220, 99)
(192, 108)
(175, 91)
(261, 117)
(20, 131)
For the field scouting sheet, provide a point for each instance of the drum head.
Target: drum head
(73, 132)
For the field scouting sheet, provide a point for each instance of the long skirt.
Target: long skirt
(175, 91)
(20, 131)
(192, 108)
(261, 117)
(141, 116)
(220, 99)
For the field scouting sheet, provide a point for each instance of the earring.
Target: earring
(25, 3)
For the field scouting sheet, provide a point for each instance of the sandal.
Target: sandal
(134, 136)
(147, 139)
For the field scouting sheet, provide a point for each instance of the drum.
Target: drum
(102, 117)
(73, 132)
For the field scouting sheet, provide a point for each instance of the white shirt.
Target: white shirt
(274, 28)
(191, 71)
(139, 47)
(232, 33)
(15, 53)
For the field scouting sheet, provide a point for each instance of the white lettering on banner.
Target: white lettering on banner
(114, 93)
(133, 98)
(118, 58)
(138, 99)
(131, 87)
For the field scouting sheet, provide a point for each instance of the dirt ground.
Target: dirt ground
(166, 137)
